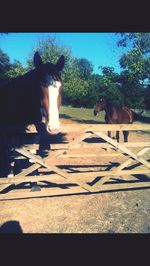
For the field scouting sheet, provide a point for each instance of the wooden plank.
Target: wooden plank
(29, 170)
(73, 177)
(43, 193)
(130, 160)
(22, 178)
(79, 139)
(67, 176)
(122, 186)
(72, 191)
(124, 149)
(99, 145)
(35, 158)
(111, 173)
(85, 155)
(33, 148)
(60, 152)
(4, 186)
(67, 128)
(51, 178)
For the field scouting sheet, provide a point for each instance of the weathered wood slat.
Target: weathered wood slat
(71, 191)
(67, 128)
(130, 160)
(73, 177)
(85, 155)
(35, 158)
(29, 170)
(99, 145)
(43, 193)
(124, 149)
(68, 176)
(79, 139)
(104, 127)
(121, 186)
(33, 147)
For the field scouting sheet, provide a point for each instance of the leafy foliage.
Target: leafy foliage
(82, 87)
(85, 68)
(4, 64)
(147, 98)
(110, 87)
(16, 69)
(136, 60)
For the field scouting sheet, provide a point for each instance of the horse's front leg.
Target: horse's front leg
(117, 136)
(126, 134)
(109, 134)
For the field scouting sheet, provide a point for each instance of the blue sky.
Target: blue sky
(98, 48)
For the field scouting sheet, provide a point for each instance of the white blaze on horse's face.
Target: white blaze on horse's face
(53, 124)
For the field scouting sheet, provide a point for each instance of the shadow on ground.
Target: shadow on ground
(10, 227)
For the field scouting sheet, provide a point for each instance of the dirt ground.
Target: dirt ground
(125, 211)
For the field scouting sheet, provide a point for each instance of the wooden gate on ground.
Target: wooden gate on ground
(53, 178)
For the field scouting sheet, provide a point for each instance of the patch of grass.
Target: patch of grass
(147, 113)
(85, 114)
(82, 114)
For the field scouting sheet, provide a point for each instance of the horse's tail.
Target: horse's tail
(139, 117)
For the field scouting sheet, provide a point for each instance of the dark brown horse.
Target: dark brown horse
(26, 99)
(22, 98)
(114, 115)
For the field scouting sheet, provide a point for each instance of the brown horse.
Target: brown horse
(26, 99)
(22, 98)
(114, 115)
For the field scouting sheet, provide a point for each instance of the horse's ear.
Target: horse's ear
(60, 63)
(37, 60)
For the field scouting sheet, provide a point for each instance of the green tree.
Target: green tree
(16, 69)
(134, 94)
(76, 92)
(4, 64)
(147, 98)
(137, 59)
(110, 87)
(94, 84)
(85, 68)
(136, 64)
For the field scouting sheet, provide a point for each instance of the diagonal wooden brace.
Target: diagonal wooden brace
(122, 148)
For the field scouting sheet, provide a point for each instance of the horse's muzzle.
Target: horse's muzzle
(52, 131)
(95, 112)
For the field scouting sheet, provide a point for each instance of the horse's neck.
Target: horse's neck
(28, 78)
(24, 83)
(109, 109)
(111, 112)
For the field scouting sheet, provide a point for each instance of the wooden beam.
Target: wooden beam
(29, 170)
(72, 191)
(73, 177)
(120, 147)
(122, 186)
(111, 173)
(66, 128)
(43, 193)
(68, 176)
(98, 145)
(130, 160)
(65, 146)
(29, 155)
